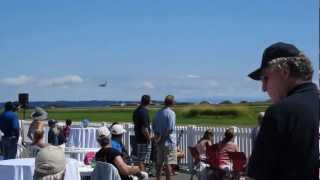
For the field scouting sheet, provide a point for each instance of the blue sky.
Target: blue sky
(62, 50)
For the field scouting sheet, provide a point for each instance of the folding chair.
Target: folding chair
(214, 162)
(105, 171)
(239, 161)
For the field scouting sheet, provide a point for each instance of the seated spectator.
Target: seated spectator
(227, 145)
(38, 115)
(38, 139)
(114, 157)
(201, 145)
(50, 164)
(117, 132)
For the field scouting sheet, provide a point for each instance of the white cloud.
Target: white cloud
(62, 81)
(17, 81)
(193, 76)
(148, 85)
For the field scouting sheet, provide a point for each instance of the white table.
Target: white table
(23, 169)
(85, 171)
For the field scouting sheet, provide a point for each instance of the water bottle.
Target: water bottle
(93, 163)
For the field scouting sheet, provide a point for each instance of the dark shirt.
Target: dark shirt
(66, 132)
(108, 155)
(287, 146)
(53, 137)
(141, 121)
(61, 138)
(9, 124)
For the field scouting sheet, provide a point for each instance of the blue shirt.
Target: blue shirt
(117, 146)
(9, 124)
(165, 122)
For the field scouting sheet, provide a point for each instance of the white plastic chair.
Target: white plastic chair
(105, 171)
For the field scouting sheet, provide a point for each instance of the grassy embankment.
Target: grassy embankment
(218, 115)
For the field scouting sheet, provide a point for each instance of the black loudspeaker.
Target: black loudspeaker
(23, 99)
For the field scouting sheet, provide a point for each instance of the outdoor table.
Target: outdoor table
(23, 169)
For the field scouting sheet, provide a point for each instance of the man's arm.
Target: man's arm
(145, 129)
(15, 125)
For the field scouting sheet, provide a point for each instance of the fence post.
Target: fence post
(126, 141)
(190, 142)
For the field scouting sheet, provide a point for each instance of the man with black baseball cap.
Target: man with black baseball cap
(287, 146)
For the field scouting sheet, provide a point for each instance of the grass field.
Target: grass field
(245, 114)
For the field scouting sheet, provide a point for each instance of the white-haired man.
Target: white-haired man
(287, 146)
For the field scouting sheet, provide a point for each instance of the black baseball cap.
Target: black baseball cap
(277, 50)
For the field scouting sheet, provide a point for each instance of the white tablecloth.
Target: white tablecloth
(82, 138)
(23, 169)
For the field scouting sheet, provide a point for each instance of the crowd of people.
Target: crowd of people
(286, 141)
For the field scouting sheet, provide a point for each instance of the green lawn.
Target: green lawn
(248, 118)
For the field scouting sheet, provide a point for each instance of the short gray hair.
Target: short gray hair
(104, 140)
(58, 176)
(299, 67)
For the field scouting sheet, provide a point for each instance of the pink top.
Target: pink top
(225, 160)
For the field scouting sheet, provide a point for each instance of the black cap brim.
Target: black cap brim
(255, 75)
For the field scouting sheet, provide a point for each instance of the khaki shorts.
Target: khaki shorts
(166, 154)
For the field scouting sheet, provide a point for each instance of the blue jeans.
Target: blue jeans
(10, 146)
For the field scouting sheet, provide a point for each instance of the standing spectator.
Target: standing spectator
(255, 130)
(38, 139)
(142, 131)
(164, 128)
(67, 129)
(61, 137)
(287, 146)
(53, 132)
(9, 125)
(38, 115)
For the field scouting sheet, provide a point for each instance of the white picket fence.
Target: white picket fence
(190, 135)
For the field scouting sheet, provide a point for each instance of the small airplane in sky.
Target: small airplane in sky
(103, 84)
